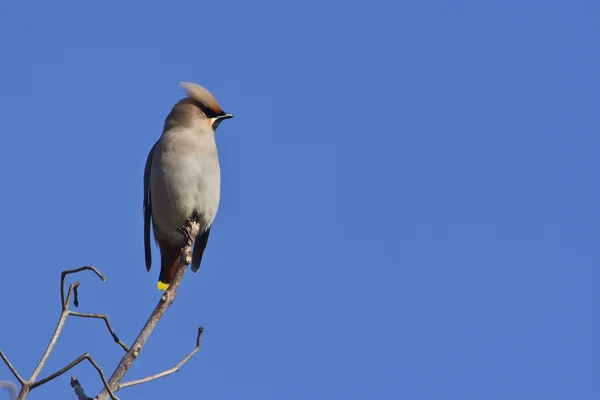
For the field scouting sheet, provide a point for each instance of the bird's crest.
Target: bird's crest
(202, 95)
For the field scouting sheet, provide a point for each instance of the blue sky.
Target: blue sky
(409, 195)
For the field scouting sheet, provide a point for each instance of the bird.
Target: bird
(182, 180)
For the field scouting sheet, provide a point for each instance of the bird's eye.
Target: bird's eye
(208, 113)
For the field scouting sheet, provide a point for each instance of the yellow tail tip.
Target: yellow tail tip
(162, 286)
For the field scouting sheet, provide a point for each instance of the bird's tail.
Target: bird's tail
(169, 259)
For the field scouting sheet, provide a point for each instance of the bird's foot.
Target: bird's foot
(185, 231)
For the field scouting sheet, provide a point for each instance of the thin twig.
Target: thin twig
(28, 385)
(165, 301)
(75, 296)
(57, 331)
(64, 274)
(108, 326)
(11, 388)
(12, 369)
(63, 317)
(53, 340)
(78, 389)
(132, 353)
(169, 371)
(85, 356)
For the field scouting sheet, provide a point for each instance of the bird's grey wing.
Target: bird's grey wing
(148, 209)
(199, 246)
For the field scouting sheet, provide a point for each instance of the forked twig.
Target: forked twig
(65, 302)
(108, 325)
(85, 356)
(169, 371)
(12, 369)
(30, 384)
(113, 384)
(165, 301)
(53, 340)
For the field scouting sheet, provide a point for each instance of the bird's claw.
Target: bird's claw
(186, 233)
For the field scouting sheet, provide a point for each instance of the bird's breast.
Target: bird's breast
(184, 181)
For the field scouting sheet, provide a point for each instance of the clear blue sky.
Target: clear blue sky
(410, 195)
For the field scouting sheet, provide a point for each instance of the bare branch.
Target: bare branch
(64, 274)
(169, 371)
(72, 292)
(75, 296)
(108, 326)
(59, 326)
(11, 388)
(28, 385)
(57, 331)
(63, 317)
(79, 359)
(132, 352)
(165, 301)
(78, 389)
(12, 369)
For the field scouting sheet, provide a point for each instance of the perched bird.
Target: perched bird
(182, 180)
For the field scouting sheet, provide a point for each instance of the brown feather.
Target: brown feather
(202, 95)
(169, 260)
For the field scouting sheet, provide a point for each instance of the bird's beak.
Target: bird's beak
(217, 120)
(224, 116)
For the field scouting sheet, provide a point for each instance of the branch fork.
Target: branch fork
(131, 353)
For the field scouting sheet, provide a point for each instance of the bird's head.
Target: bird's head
(206, 103)
(199, 106)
